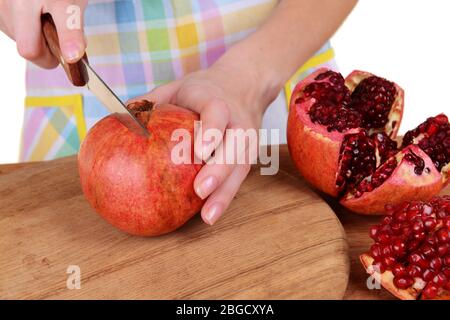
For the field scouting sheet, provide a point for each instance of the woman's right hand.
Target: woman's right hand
(21, 21)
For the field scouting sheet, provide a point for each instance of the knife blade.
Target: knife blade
(81, 74)
(109, 99)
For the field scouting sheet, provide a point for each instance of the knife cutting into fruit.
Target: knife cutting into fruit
(233, 77)
(81, 74)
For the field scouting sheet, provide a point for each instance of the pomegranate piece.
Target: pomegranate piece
(342, 137)
(419, 271)
(131, 181)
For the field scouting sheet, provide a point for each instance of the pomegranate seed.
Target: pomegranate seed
(428, 251)
(386, 250)
(443, 235)
(430, 223)
(443, 249)
(373, 231)
(447, 221)
(388, 261)
(446, 272)
(430, 291)
(398, 247)
(384, 238)
(441, 214)
(414, 271)
(418, 260)
(427, 210)
(440, 279)
(396, 228)
(386, 220)
(418, 226)
(403, 282)
(436, 264)
(428, 275)
(447, 261)
(400, 216)
(398, 269)
(431, 240)
(420, 236)
(413, 245)
(375, 251)
(378, 267)
(446, 286)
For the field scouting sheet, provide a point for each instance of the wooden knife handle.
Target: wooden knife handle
(75, 71)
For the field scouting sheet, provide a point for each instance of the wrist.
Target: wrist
(252, 80)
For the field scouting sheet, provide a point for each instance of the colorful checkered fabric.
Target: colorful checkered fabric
(134, 45)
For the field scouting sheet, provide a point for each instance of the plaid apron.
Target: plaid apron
(136, 45)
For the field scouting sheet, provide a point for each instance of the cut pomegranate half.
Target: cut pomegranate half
(411, 254)
(342, 138)
(326, 110)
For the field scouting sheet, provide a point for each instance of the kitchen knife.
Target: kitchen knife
(81, 74)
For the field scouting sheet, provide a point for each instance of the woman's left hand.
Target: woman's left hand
(225, 100)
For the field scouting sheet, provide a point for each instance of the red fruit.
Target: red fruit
(131, 181)
(341, 136)
(428, 275)
(414, 271)
(325, 122)
(403, 282)
(443, 235)
(436, 264)
(430, 291)
(406, 256)
(399, 269)
(373, 231)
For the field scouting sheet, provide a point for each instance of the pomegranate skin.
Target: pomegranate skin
(131, 181)
(402, 184)
(314, 150)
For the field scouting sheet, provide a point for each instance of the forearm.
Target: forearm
(291, 35)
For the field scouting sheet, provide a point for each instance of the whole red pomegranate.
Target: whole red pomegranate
(342, 136)
(411, 253)
(130, 180)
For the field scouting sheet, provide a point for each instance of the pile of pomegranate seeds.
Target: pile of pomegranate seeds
(414, 243)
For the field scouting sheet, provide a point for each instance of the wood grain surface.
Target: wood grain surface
(278, 239)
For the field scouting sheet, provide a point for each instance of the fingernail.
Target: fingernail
(206, 187)
(213, 213)
(71, 51)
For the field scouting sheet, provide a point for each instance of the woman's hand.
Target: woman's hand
(21, 21)
(225, 99)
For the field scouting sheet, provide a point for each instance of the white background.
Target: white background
(404, 41)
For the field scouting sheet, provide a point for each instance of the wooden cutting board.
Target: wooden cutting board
(277, 240)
